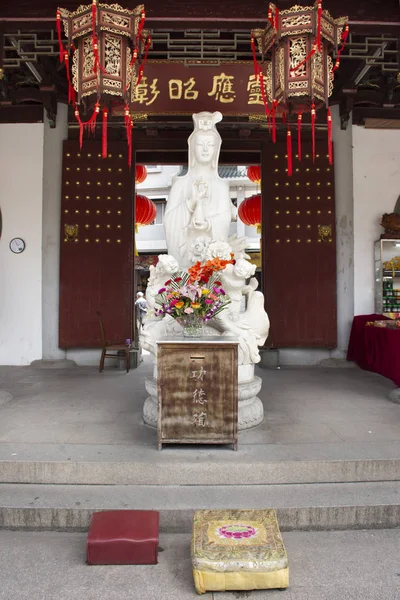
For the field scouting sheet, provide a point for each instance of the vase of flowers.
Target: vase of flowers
(194, 297)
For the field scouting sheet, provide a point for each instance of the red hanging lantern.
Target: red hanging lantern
(141, 173)
(249, 212)
(105, 41)
(254, 174)
(296, 47)
(145, 211)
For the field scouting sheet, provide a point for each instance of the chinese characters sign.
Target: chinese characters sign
(173, 88)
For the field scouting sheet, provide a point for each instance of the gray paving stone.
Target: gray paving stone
(323, 566)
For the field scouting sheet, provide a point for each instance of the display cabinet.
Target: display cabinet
(387, 277)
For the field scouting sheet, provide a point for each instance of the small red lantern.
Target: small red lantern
(254, 174)
(145, 211)
(141, 173)
(250, 211)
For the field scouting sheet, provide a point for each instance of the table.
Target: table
(197, 391)
(375, 349)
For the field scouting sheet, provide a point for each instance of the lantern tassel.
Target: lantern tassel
(299, 120)
(270, 16)
(277, 19)
(71, 90)
(104, 135)
(345, 35)
(289, 152)
(307, 58)
(141, 24)
(274, 105)
(129, 135)
(330, 150)
(313, 129)
(264, 98)
(128, 129)
(255, 62)
(319, 19)
(146, 52)
(60, 43)
(90, 124)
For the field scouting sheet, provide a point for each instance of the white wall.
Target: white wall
(21, 187)
(376, 164)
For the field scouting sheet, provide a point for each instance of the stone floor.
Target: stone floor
(304, 407)
(336, 565)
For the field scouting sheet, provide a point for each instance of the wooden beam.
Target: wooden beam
(32, 113)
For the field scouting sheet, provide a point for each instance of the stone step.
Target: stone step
(299, 507)
(253, 464)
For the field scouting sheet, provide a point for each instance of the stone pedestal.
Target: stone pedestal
(250, 409)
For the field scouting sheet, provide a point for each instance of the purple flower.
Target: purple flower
(208, 301)
(160, 291)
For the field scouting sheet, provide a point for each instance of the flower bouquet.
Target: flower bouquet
(194, 297)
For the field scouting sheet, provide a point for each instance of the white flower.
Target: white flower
(197, 250)
(220, 250)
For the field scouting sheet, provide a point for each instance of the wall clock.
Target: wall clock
(17, 245)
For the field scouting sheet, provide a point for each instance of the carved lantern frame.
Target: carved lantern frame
(296, 47)
(107, 68)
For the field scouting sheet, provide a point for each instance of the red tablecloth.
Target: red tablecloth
(375, 348)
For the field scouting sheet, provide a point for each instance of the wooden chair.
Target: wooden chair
(115, 348)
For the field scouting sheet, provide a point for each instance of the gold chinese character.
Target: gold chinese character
(199, 397)
(222, 88)
(199, 419)
(199, 375)
(254, 89)
(177, 88)
(142, 92)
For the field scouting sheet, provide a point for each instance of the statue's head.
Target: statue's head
(243, 268)
(167, 264)
(205, 141)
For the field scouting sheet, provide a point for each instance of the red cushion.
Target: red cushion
(123, 537)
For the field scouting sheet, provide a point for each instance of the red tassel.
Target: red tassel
(141, 24)
(313, 129)
(284, 118)
(128, 128)
(289, 152)
(274, 105)
(90, 124)
(277, 19)
(330, 151)
(60, 43)
(319, 41)
(255, 62)
(299, 120)
(345, 35)
(262, 88)
(307, 58)
(270, 17)
(142, 66)
(104, 135)
(78, 118)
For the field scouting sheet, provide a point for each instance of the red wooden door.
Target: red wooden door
(299, 249)
(97, 244)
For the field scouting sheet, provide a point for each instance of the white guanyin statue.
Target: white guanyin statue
(197, 221)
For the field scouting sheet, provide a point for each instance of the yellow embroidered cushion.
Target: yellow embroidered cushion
(238, 550)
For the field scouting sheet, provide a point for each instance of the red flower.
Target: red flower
(178, 279)
(167, 282)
